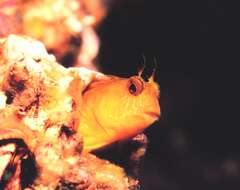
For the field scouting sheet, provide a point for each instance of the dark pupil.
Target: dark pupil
(133, 88)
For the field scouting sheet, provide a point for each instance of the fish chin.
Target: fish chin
(143, 121)
(150, 117)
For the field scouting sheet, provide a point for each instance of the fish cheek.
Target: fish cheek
(106, 119)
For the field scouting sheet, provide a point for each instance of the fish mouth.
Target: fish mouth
(153, 114)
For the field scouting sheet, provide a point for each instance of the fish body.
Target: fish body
(117, 108)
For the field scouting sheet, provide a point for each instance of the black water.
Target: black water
(195, 144)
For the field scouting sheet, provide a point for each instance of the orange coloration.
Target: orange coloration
(117, 108)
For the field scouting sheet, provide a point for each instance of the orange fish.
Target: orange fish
(116, 108)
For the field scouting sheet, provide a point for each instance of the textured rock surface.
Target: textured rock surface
(39, 104)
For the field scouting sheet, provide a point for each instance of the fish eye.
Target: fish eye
(135, 86)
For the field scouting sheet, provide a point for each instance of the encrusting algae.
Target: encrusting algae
(59, 115)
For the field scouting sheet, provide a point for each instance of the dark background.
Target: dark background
(194, 145)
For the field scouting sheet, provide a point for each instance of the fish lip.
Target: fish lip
(153, 114)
